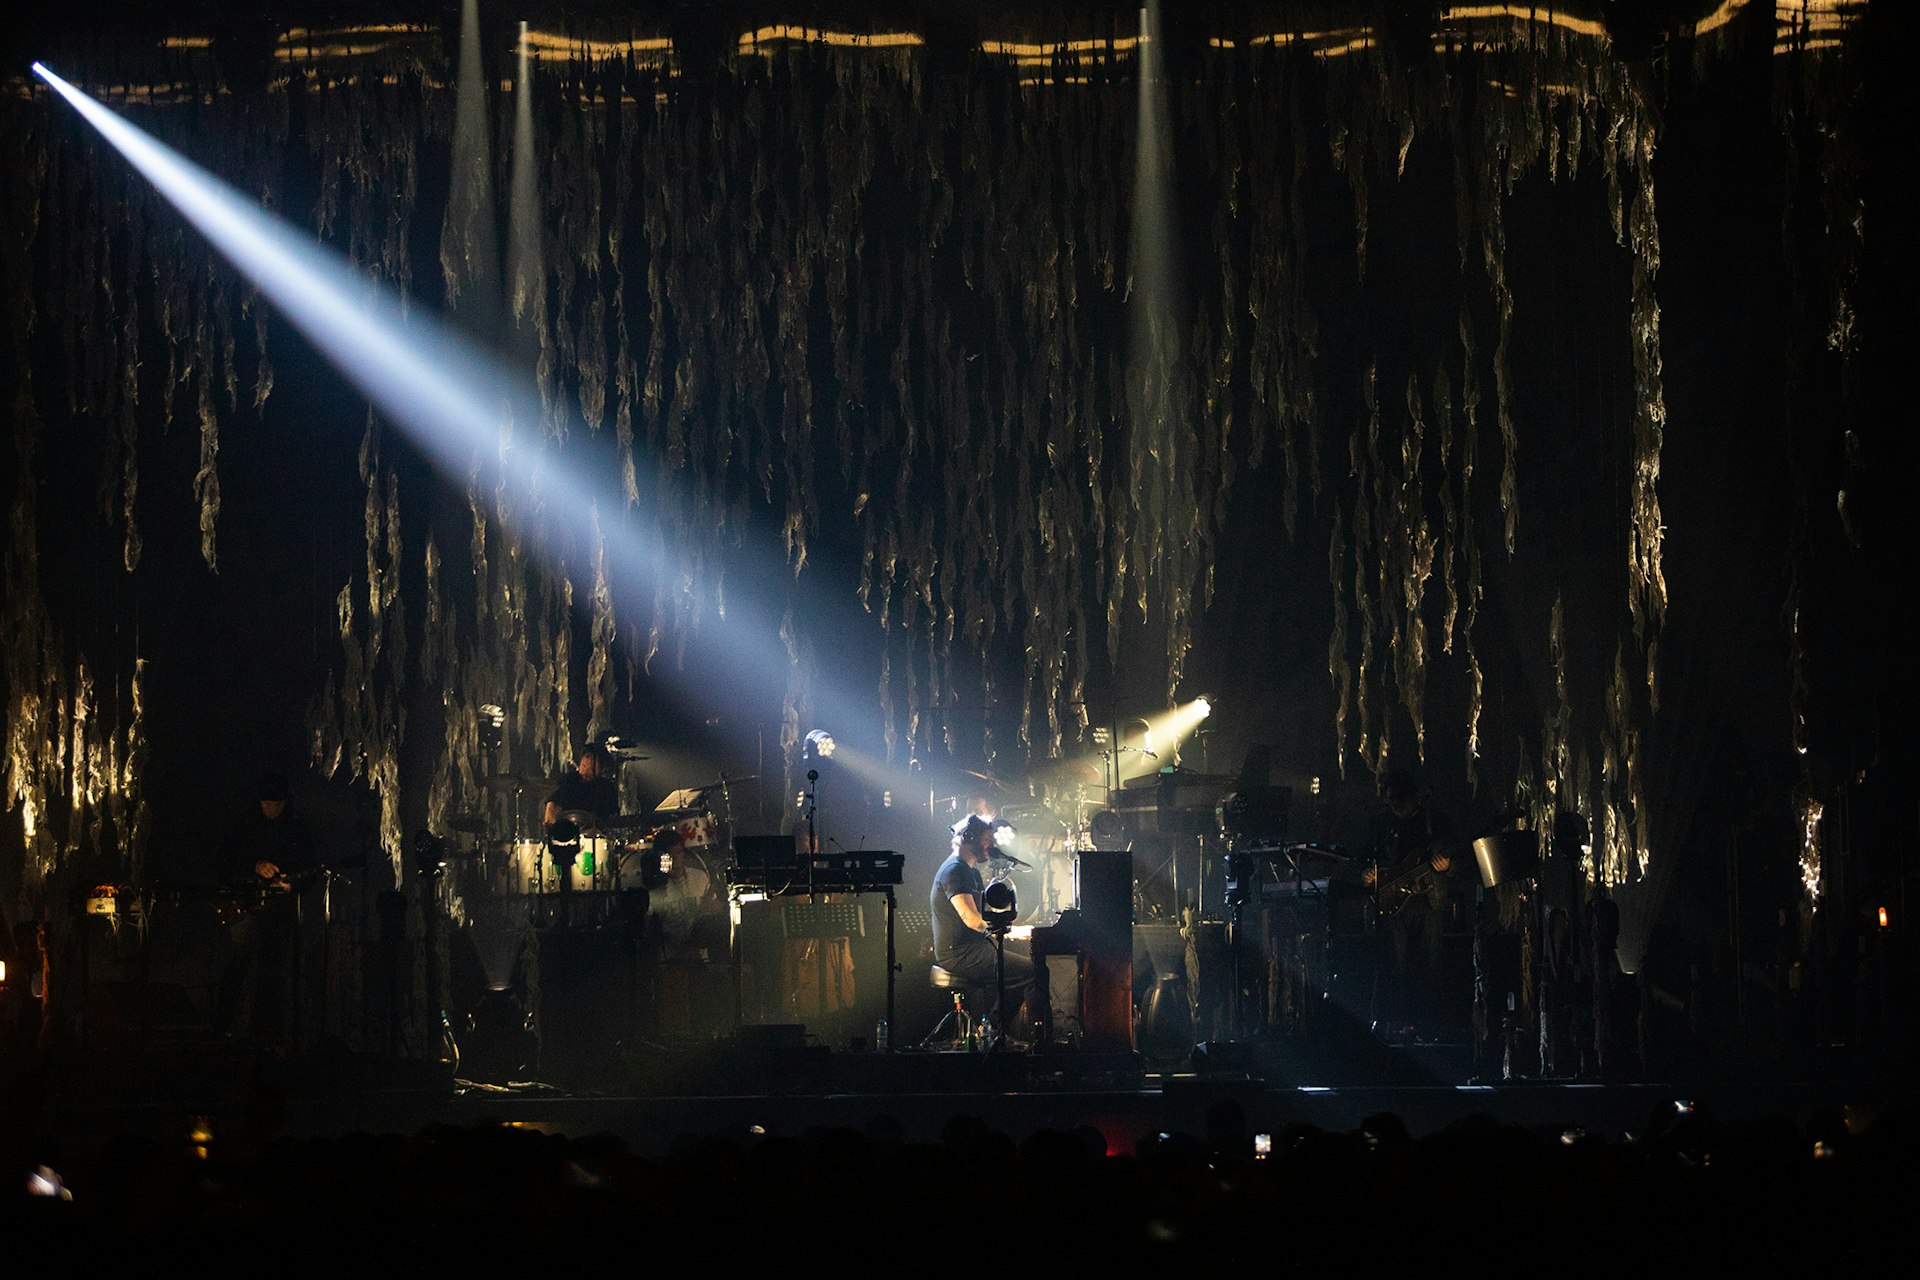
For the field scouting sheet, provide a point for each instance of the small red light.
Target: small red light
(1883, 917)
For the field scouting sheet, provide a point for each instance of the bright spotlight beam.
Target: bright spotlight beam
(1169, 731)
(421, 375)
(452, 396)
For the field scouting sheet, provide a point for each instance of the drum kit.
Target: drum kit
(575, 870)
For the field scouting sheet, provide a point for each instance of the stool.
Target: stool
(947, 980)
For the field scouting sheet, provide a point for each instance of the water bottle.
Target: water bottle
(962, 1023)
(880, 1035)
(986, 1032)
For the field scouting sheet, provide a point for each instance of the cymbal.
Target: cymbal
(987, 778)
(727, 781)
(472, 824)
(505, 782)
(1068, 771)
(632, 821)
(1034, 819)
(582, 818)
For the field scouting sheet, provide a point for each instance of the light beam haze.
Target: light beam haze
(450, 395)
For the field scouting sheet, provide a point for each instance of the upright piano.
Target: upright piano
(1100, 935)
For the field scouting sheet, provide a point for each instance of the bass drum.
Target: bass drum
(687, 897)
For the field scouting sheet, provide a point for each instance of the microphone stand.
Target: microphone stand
(428, 865)
(813, 834)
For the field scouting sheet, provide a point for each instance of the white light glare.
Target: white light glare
(44, 1181)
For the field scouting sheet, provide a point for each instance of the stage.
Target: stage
(588, 592)
(744, 1091)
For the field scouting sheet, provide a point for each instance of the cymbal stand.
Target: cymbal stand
(813, 833)
(428, 865)
(726, 814)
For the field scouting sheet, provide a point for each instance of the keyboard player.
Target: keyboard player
(961, 944)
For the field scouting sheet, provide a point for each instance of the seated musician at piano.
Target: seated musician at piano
(1416, 874)
(262, 852)
(961, 944)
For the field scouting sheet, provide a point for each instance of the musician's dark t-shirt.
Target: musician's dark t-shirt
(600, 796)
(254, 838)
(950, 933)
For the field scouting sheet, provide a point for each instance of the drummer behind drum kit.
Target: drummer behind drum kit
(589, 861)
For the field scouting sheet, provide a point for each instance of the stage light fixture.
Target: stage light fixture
(500, 1043)
(45, 1182)
(998, 906)
(493, 727)
(820, 746)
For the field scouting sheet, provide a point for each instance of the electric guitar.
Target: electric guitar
(1400, 884)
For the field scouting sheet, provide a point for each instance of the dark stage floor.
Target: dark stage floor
(648, 1108)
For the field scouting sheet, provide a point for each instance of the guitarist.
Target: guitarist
(264, 850)
(1412, 877)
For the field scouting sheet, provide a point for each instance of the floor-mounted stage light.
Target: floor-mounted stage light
(998, 906)
(499, 1045)
(819, 746)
